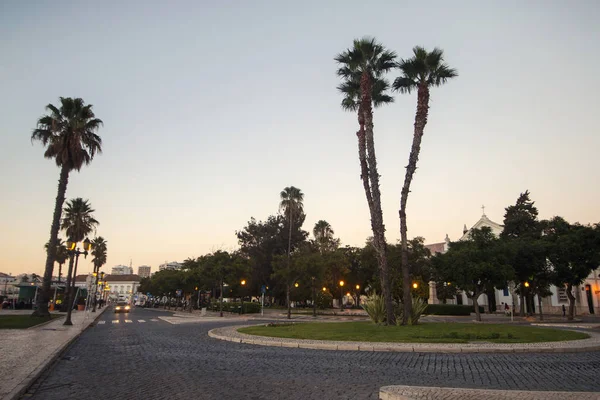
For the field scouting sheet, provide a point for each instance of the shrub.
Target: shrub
(249, 308)
(375, 307)
(450, 309)
(324, 300)
(418, 308)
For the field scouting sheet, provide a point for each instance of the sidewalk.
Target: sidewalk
(26, 353)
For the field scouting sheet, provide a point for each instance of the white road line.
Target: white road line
(115, 321)
(141, 320)
(154, 320)
(101, 322)
(128, 321)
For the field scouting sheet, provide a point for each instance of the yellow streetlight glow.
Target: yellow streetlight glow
(296, 284)
(357, 287)
(348, 294)
(243, 282)
(415, 285)
(526, 284)
(341, 283)
(324, 289)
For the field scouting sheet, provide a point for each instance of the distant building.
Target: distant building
(144, 271)
(7, 283)
(120, 286)
(122, 270)
(172, 266)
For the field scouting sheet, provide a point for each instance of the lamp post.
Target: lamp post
(357, 295)
(101, 276)
(75, 252)
(341, 295)
(243, 283)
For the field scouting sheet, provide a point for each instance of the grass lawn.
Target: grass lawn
(423, 333)
(23, 321)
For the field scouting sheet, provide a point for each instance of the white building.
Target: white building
(170, 265)
(7, 287)
(120, 286)
(587, 295)
(122, 270)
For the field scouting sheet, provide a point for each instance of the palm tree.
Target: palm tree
(61, 255)
(362, 68)
(291, 202)
(78, 222)
(99, 250)
(420, 72)
(68, 133)
(323, 234)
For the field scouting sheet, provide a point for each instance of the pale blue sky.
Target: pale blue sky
(211, 108)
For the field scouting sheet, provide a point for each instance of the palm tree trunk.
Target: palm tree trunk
(59, 272)
(376, 213)
(289, 305)
(413, 158)
(68, 286)
(42, 300)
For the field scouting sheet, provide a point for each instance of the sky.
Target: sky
(210, 109)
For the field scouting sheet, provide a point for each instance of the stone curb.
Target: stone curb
(555, 347)
(47, 322)
(22, 387)
(402, 392)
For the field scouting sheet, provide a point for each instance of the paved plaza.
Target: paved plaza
(159, 359)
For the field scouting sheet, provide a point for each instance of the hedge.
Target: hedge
(249, 308)
(450, 309)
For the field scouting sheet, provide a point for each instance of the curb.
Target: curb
(390, 347)
(22, 387)
(47, 322)
(403, 392)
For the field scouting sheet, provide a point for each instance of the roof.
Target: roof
(436, 247)
(484, 221)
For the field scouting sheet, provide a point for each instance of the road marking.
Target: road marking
(115, 321)
(101, 322)
(141, 320)
(154, 320)
(128, 321)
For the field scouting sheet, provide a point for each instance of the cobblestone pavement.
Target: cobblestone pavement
(160, 360)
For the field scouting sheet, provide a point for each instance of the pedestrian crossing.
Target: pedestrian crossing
(126, 321)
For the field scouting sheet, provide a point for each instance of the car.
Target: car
(122, 306)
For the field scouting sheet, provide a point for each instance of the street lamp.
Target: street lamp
(324, 289)
(74, 252)
(415, 285)
(341, 295)
(296, 284)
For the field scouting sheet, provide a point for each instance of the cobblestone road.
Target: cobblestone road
(157, 360)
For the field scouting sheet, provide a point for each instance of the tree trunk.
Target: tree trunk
(376, 213)
(476, 305)
(521, 305)
(314, 300)
(221, 300)
(540, 307)
(42, 300)
(571, 315)
(59, 272)
(289, 305)
(413, 158)
(66, 295)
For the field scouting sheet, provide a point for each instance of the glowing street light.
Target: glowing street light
(415, 285)
(296, 284)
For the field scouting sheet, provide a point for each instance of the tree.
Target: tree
(362, 68)
(291, 201)
(574, 252)
(99, 253)
(324, 239)
(69, 134)
(222, 267)
(61, 255)
(420, 72)
(78, 222)
(474, 265)
(522, 233)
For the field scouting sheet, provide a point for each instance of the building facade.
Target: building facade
(169, 265)
(122, 270)
(587, 295)
(7, 285)
(144, 271)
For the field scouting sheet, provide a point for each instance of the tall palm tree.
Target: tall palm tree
(362, 68)
(420, 72)
(78, 222)
(292, 200)
(61, 255)
(323, 234)
(69, 134)
(99, 252)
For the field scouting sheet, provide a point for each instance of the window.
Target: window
(505, 291)
(561, 293)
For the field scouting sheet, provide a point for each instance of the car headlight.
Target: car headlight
(127, 307)
(117, 308)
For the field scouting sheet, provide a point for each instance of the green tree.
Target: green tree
(574, 252)
(60, 256)
(323, 233)
(362, 68)
(222, 267)
(77, 222)
(418, 73)
(69, 134)
(522, 233)
(474, 265)
(291, 202)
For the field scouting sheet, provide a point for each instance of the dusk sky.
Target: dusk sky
(212, 108)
